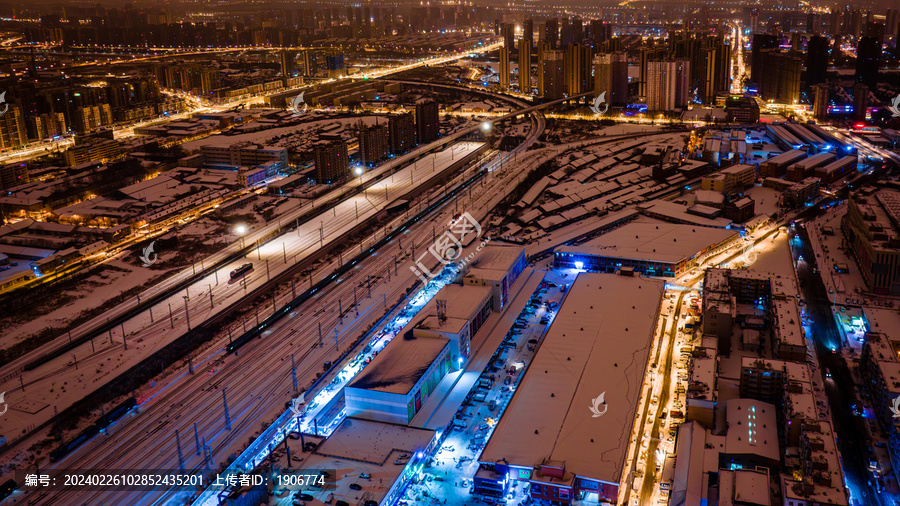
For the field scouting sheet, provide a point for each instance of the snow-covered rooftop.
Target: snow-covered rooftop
(597, 345)
(662, 242)
(401, 363)
(371, 441)
(494, 261)
(671, 211)
(744, 487)
(828, 463)
(462, 301)
(752, 429)
(364, 446)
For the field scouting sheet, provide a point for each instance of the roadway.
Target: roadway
(649, 429)
(850, 430)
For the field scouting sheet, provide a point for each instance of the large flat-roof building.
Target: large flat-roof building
(398, 381)
(370, 447)
(394, 386)
(549, 437)
(752, 436)
(662, 249)
(778, 164)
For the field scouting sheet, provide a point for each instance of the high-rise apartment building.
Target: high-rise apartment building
(761, 42)
(668, 84)
(649, 54)
(508, 31)
(710, 68)
(332, 162)
(565, 34)
(577, 66)
(334, 65)
(860, 101)
(578, 31)
(868, 60)
(816, 60)
(288, 63)
(427, 121)
(504, 67)
(551, 75)
(813, 22)
(600, 33)
(527, 34)
(309, 63)
(551, 32)
(524, 66)
(820, 108)
(374, 143)
(611, 76)
(403, 132)
(12, 128)
(779, 77)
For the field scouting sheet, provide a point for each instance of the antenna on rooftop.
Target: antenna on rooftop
(442, 310)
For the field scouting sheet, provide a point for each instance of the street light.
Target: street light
(486, 126)
(241, 230)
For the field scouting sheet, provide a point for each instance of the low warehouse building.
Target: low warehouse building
(398, 381)
(662, 249)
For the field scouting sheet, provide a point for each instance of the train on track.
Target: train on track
(102, 423)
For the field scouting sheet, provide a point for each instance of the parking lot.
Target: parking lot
(447, 478)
